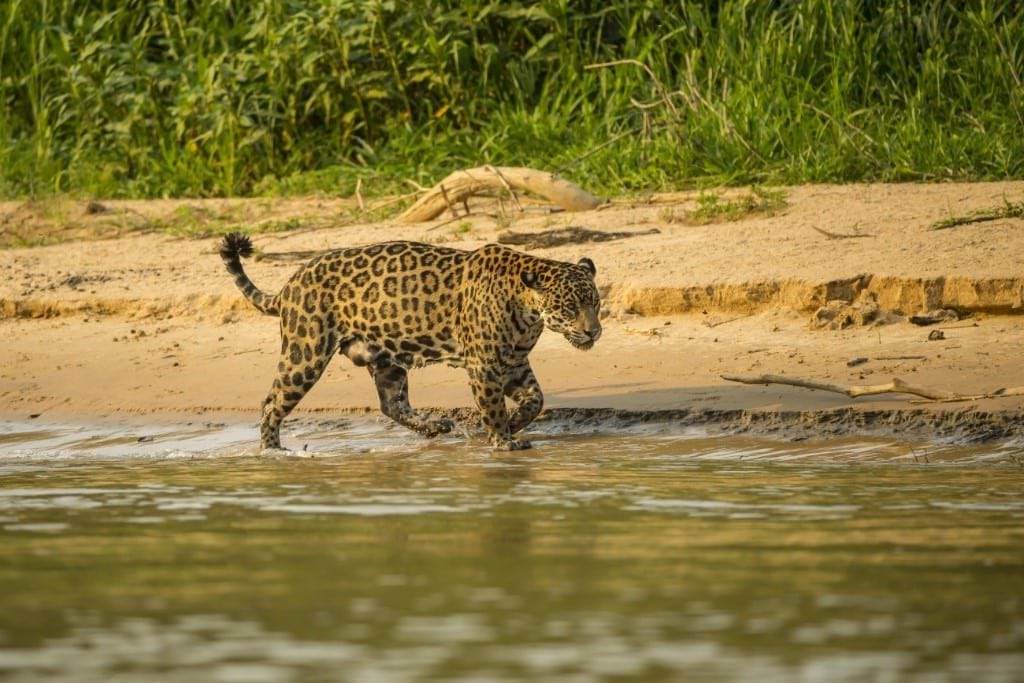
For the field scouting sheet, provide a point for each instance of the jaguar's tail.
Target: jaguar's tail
(233, 248)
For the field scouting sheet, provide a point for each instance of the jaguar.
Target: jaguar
(395, 306)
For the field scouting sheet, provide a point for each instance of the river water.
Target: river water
(157, 554)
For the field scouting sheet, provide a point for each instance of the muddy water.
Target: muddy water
(170, 555)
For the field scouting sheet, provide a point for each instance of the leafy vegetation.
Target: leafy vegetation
(136, 98)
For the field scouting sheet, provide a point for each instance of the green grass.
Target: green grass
(711, 208)
(131, 98)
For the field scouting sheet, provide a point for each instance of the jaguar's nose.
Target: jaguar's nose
(594, 333)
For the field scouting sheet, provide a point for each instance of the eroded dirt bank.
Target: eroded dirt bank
(146, 324)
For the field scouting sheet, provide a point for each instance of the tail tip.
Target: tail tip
(235, 245)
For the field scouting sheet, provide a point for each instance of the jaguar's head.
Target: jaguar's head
(567, 300)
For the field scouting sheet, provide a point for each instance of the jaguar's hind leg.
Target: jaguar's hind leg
(393, 389)
(302, 363)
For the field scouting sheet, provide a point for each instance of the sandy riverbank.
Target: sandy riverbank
(145, 326)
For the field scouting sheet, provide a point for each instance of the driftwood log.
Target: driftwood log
(896, 386)
(461, 185)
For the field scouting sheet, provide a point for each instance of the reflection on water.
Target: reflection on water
(165, 555)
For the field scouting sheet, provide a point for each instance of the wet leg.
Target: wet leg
(393, 390)
(522, 387)
(299, 368)
(490, 399)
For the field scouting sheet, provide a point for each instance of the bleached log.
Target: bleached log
(461, 185)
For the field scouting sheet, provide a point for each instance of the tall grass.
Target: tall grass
(223, 97)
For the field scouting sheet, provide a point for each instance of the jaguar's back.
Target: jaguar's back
(398, 299)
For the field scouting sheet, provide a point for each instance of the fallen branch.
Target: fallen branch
(998, 393)
(461, 185)
(896, 386)
(839, 235)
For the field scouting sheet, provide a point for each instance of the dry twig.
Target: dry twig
(508, 188)
(663, 92)
(839, 235)
(594, 150)
(716, 323)
(448, 202)
(395, 200)
(359, 194)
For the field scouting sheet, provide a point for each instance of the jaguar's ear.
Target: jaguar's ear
(530, 279)
(589, 265)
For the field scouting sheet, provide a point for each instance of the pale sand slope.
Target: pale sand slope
(151, 327)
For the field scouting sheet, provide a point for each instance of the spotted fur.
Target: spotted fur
(396, 306)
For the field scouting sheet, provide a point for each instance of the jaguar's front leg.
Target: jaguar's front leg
(489, 395)
(393, 390)
(522, 387)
